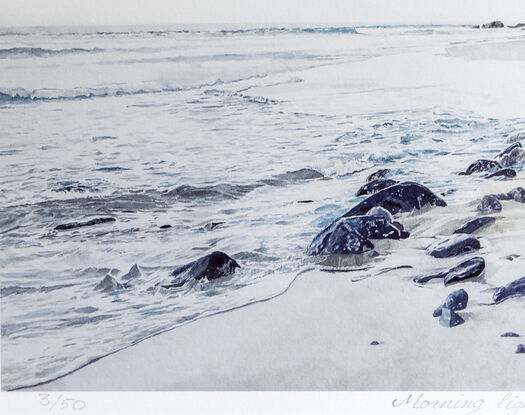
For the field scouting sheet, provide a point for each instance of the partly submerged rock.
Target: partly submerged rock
(516, 137)
(514, 289)
(489, 204)
(502, 173)
(510, 334)
(375, 186)
(108, 284)
(468, 269)
(73, 225)
(167, 226)
(212, 266)
(352, 235)
(134, 272)
(380, 174)
(520, 348)
(515, 157)
(475, 224)
(402, 197)
(454, 245)
(509, 149)
(456, 300)
(496, 24)
(480, 166)
(449, 318)
(517, 194)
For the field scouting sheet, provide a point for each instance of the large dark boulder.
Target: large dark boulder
(514, 289)
(468, 269)
(212, 266)
(475, 224)
(454, 245)
(402, 197)
(480, 166)
(375, 186)
(352, 235)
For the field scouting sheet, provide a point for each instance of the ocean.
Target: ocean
(247, 141)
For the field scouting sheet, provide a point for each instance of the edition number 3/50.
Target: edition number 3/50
(61, 402)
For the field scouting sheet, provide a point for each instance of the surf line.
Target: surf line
(419, 402)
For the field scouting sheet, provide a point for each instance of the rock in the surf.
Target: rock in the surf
(133, 273)
(516, 137)
(509, 149)
(212, 266)
(73, 225)
(489, 204)
(502, 173)
(517, 194)
(379, 174)
(454, 245)
(108, 284)
(510, 334)
(480, 166)
(352, 235)
(469, 269)
(402, 197)
(375, 186)
(475, 224)
(455, 301)
(520, 348)
(515, 157)
(450, 318)
(514, 289)
(493, 25)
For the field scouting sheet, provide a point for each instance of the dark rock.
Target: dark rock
(493, 25)
(516, 26)
(510, 334)
(380, 174)
(352, 235)
(502, 173)
(73, 225)
(374, 343)
(489, 204)
(108, 284)
(134, 272)
(517, 194)
(514, 289)
(165, 226)
(375, 186)
(212, 225)
(402, 197)
(475, 26)
(468, 269)
(475, 224)
(481, 166)
(455, 301)
(509, 149)
(454, 245)
(520, 348)
(450, 319)
(212, 266)
(305, 201)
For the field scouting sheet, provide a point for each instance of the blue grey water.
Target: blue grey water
(193, 127)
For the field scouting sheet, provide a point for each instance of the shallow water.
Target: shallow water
(208, 131)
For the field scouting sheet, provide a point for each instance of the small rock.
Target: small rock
(475, 224)
(489, 204)
(481, 166)
(374, 343)
(520, 348)
(450, 319)
(454, 245)
(493, 25)
(165, 226)
(509, 149)
(517, 194)
(212, 225)
(378, 175)
(134, 272)
(516, 157)
(305, 201)
(108, 284)
(73, 225)
(514, 289)
(468, 269)
(502, 173)
(455, 301)
(510, 334)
